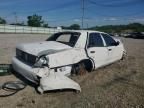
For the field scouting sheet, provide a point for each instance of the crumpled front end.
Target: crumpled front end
(24, 70)
(46, 78)
(48, 68)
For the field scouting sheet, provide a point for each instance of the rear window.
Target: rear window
(68, 38)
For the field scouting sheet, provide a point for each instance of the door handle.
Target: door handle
(92, 51)
(109, 49)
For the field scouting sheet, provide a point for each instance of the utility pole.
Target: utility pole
(87, 26)
(15, 16)
(83, 7)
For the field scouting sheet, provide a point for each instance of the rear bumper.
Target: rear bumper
(25, 70)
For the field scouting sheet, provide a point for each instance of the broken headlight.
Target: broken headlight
(41, 61)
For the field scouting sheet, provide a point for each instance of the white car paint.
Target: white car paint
(99, 58)
(69, 56)
(61, 58)
(37, 47)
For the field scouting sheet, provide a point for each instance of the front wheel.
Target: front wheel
(79, 69)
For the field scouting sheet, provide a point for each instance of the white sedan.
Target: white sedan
(63, 54)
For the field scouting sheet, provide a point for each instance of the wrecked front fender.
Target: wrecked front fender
(49, 79)
(56, 81)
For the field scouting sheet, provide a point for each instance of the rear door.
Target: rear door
(96, 49)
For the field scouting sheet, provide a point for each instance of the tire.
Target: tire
(79, 69)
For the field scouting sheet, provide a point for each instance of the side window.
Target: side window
(109, 40)
(95, 40)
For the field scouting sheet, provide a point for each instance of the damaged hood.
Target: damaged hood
(40, 48)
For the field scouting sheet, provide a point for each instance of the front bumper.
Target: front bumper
(25, 70)
(50, 81)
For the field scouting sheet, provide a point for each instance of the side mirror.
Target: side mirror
(118, 42)
(115, 43)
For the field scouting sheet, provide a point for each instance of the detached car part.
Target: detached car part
(5, 69)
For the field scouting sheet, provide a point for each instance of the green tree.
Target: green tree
(45, 25)
(2, 21)
(35, 20)
(74, 27)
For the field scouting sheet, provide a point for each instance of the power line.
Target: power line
(59, 7)
(47, 11)
(89, 10)
(61, 20)
(7, 16)
(122, 4)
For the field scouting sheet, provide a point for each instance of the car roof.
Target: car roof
(84, 31)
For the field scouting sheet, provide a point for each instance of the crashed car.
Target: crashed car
(49, 63)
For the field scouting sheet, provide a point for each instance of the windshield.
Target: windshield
(68, 38)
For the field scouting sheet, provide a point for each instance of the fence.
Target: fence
(27, 29)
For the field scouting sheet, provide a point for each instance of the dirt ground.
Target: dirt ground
(119, 85)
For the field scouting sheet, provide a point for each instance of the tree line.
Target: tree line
(37, 21)
(132, 27)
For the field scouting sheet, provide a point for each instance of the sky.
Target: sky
(67, 12)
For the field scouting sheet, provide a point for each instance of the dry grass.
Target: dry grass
(120, 85)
